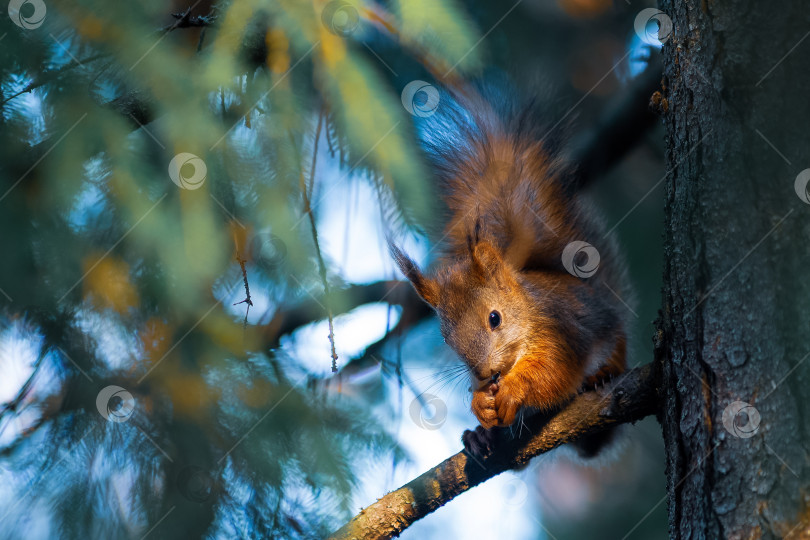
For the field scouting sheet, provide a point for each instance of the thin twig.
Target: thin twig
(433, 64)
(15, 403)
(47, 76)
(187, 20)
(247, 299)
(329, 138)
(202, 38)
(305, 191)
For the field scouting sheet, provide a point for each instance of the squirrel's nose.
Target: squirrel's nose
(484, 375)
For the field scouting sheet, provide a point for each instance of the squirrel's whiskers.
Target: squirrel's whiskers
(531, 331)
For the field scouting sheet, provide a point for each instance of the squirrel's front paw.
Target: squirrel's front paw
(507, 404)
(506, 408)
(483, 407)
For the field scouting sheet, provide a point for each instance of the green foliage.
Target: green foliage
(122, 277)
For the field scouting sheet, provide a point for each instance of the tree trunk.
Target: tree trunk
(735, 320)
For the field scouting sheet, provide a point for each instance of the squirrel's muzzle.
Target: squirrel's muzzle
(485, 379)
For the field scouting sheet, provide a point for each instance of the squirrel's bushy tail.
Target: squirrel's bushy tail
(500, 166)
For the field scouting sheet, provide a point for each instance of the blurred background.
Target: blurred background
(188, 192)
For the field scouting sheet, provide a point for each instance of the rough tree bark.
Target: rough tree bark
(732, 333)
(735, 315)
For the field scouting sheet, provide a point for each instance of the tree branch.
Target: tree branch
(628, 399)
(285, 321)
(50, 75)
(625, 120)
(187, 20)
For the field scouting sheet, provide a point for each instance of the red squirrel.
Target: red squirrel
(528, 290)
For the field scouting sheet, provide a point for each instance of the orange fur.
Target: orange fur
(511, 218)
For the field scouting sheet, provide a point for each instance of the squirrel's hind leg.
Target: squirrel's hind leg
(592, 444)
(479, 442)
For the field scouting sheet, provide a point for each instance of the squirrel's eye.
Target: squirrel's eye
(494, 320)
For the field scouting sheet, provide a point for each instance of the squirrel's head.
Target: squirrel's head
(483, 307)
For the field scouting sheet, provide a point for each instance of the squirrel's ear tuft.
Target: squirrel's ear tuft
(427, 288)
(523, 239)
(485, 260)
